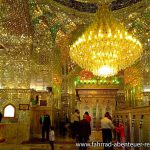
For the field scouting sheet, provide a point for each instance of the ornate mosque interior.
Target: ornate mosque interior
(39, 73)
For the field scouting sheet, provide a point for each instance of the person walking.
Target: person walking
(107, 126)
(45, 123)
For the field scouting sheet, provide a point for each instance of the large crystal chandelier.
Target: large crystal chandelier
(105, 47)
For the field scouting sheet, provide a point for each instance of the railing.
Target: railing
(136, 124)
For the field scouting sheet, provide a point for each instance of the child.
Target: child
(120, 130)
(52, 137)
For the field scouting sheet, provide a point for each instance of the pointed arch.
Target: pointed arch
(9, 111)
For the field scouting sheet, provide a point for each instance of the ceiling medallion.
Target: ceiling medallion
(105, 47)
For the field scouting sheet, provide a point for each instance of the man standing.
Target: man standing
(107, 126)
(45, 123)
(75, 118)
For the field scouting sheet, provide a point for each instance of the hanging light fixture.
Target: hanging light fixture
(105, 47)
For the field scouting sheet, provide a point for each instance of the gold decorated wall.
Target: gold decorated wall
(17, 129)
(20, 127)
(34, 54)
(97, 102)
(136, 123)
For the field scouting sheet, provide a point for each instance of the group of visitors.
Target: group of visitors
(76, 124)
(81, 129)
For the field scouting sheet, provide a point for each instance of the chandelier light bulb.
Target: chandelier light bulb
(105, 71)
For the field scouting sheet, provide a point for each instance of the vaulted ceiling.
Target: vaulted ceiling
(44, 29)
